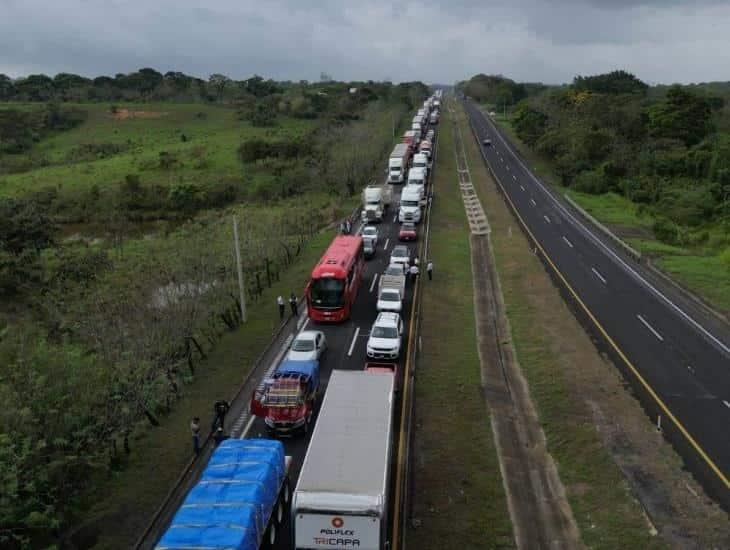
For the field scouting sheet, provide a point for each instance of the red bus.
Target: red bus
(336, 279)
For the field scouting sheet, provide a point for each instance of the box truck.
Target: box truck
(342, 496)
(398, 163)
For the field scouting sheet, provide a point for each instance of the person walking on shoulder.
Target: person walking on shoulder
(293, 305)
(280, 303)
(429, 270)
(413, 270)
(195, 430)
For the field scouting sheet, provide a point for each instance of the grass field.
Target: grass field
(128, 500)
(697, 268)
(212, 135)
(554, 354)
(456, 477)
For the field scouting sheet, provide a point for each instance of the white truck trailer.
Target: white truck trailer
(341, 499)
(398, 162)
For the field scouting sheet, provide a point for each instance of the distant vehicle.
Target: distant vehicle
(376, 199)
(425, 148)
(398, 163)
(394, 269)
(400, 255)
(487, 142)
(344, 486)
(309, 345)
(223, 503)
(287, 399)
(370, 234)
(430, 135)
(335, 280)
(434, 119)
(407, 232)
(411, 138)
(385, 336)
(420, 160)
(368, 249)
(390, 299)
(410, 205)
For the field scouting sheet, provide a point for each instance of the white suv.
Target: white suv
(385, 336)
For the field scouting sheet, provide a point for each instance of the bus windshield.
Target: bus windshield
(327, 292)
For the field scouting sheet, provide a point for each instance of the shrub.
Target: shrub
(666, 231)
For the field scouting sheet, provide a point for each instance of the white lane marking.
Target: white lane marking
(533, 202)
(354, 339)
(595, 272)
(304, 326)
(726, 403)
(546, 218)
(615, 256)
(651, 328)
(385, 246)
(372, 285)
(395, 218)
(507, 166)
(522, 187)
(244, 433)
(514, 177)
(567, 241)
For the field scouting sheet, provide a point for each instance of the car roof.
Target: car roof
(407, 225)
(400, 247)
(307, 334)
(372, 227)
(387, 318)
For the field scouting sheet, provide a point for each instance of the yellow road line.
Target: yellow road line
(618, 350)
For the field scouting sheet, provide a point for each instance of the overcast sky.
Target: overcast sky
(430, 40)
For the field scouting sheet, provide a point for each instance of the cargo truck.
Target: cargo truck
(398, 163)
(376, 199)
(286, 400)
(241, 500)
(342, 497)
(410, 205)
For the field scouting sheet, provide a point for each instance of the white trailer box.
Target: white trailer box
(341, 499)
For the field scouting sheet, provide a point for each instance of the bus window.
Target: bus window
(328, 292)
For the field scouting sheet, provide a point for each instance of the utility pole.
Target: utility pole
(240, 270)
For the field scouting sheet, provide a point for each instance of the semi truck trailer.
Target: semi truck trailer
(341, 499)
(398, 162)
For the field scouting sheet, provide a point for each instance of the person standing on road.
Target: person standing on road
(348, 226)
(280, 303)
(414, 272)
(293, 305)
(195, 430)
(220, 408)
(429, 270)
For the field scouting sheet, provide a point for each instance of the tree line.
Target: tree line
(664, 151)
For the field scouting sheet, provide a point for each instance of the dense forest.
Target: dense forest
(103, 327)
(666, 148)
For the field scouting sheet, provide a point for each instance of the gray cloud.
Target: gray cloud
(431, 40)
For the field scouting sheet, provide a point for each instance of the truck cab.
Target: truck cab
(373, 205)
(410, 205)
(417, 179)
(420, 160)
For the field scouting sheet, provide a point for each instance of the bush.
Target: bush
(666, 231)
(184, 197)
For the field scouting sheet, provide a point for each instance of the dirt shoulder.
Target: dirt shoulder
(625, 484)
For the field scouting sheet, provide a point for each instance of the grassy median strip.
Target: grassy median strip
(458, 496)
(552, 348)
(160, 454)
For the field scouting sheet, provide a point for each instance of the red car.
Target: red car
(407, 232)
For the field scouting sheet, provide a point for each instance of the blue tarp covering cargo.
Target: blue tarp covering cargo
(231, 504)
(306, 369)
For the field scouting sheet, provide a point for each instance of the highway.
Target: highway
(346, 341)
(346, 344)
(677, 359)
